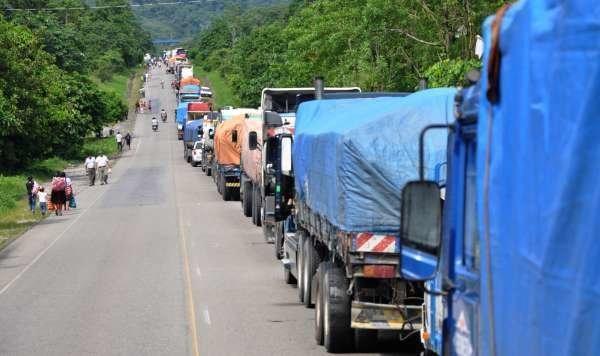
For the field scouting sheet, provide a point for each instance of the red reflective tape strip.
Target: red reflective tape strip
(362, 239)
(383, 245)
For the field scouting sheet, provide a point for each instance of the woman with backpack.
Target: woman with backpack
(58, 196)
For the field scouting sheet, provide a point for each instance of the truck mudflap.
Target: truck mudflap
(385, 316)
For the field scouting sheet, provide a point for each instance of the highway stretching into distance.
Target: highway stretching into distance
(154, 263)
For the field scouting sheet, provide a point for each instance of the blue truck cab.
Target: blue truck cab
(509, 246)
(180, 118)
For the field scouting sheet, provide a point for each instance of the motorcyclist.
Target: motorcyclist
(163, 115)
(154, 123)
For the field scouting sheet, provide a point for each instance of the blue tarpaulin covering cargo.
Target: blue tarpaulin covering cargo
(191, 88)
(192, 130)
(181, 113)
(353, 156)
(543, 182)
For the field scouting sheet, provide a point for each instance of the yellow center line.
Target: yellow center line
(189, 295)
(188, 282)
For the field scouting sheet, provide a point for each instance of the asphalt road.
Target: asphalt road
(154, 263)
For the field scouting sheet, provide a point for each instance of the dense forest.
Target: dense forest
(48, 100)
(382, 45)
(183, 21)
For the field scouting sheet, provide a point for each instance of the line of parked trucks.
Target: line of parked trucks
(400, 212)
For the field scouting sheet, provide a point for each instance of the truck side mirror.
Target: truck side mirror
(252, 140)
(420, 229)
(286, 155)
(272, 118)
(234, 137)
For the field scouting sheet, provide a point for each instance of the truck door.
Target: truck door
(464, 311)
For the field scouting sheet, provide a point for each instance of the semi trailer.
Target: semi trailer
(349, 161)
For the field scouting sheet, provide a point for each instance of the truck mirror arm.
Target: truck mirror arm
(422, 145)
(447, 286)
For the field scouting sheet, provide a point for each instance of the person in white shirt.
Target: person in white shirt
(102, 164)
(90, 168)
(42, 198)
(119, 139)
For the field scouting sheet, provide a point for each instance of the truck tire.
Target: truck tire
(337, 334)
(365, 340)
(310, 262)
(247, 198)
(218, 182)
(288, 277)
(279, 235)
(323, 267)
(256, 205)
(226, 191)
(301, 237)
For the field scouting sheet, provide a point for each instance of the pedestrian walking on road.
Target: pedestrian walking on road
(68, 191)
(58, 195)
(31, 186)
(119, 139)
(42, 198)
(102, 164)
(128, 140)
(90, 169)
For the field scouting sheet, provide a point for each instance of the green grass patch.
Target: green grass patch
(222, 93)
(17, 220)
(96, 146)
(117, 84)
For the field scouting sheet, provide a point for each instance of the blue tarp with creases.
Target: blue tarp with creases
(353, 156)
(543, 182)
(181, 113)
(192, 130)
(190, 89)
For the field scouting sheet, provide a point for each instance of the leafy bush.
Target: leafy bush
(450, 72)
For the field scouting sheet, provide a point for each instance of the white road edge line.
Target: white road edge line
(43, 252)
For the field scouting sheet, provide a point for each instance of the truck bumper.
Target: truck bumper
(385, 317)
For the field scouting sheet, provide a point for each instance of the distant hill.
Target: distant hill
(183, 21)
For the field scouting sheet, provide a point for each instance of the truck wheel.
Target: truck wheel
(301, 237)
(365, 340)
(247, 198)
(323, 267)
(225, 189)
(219, 188)
(336, 311)
(279, 234)
(310, 261)
(288, 277)
(256, 205)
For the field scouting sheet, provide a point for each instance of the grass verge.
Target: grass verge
(15, 217)
(222, 93)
